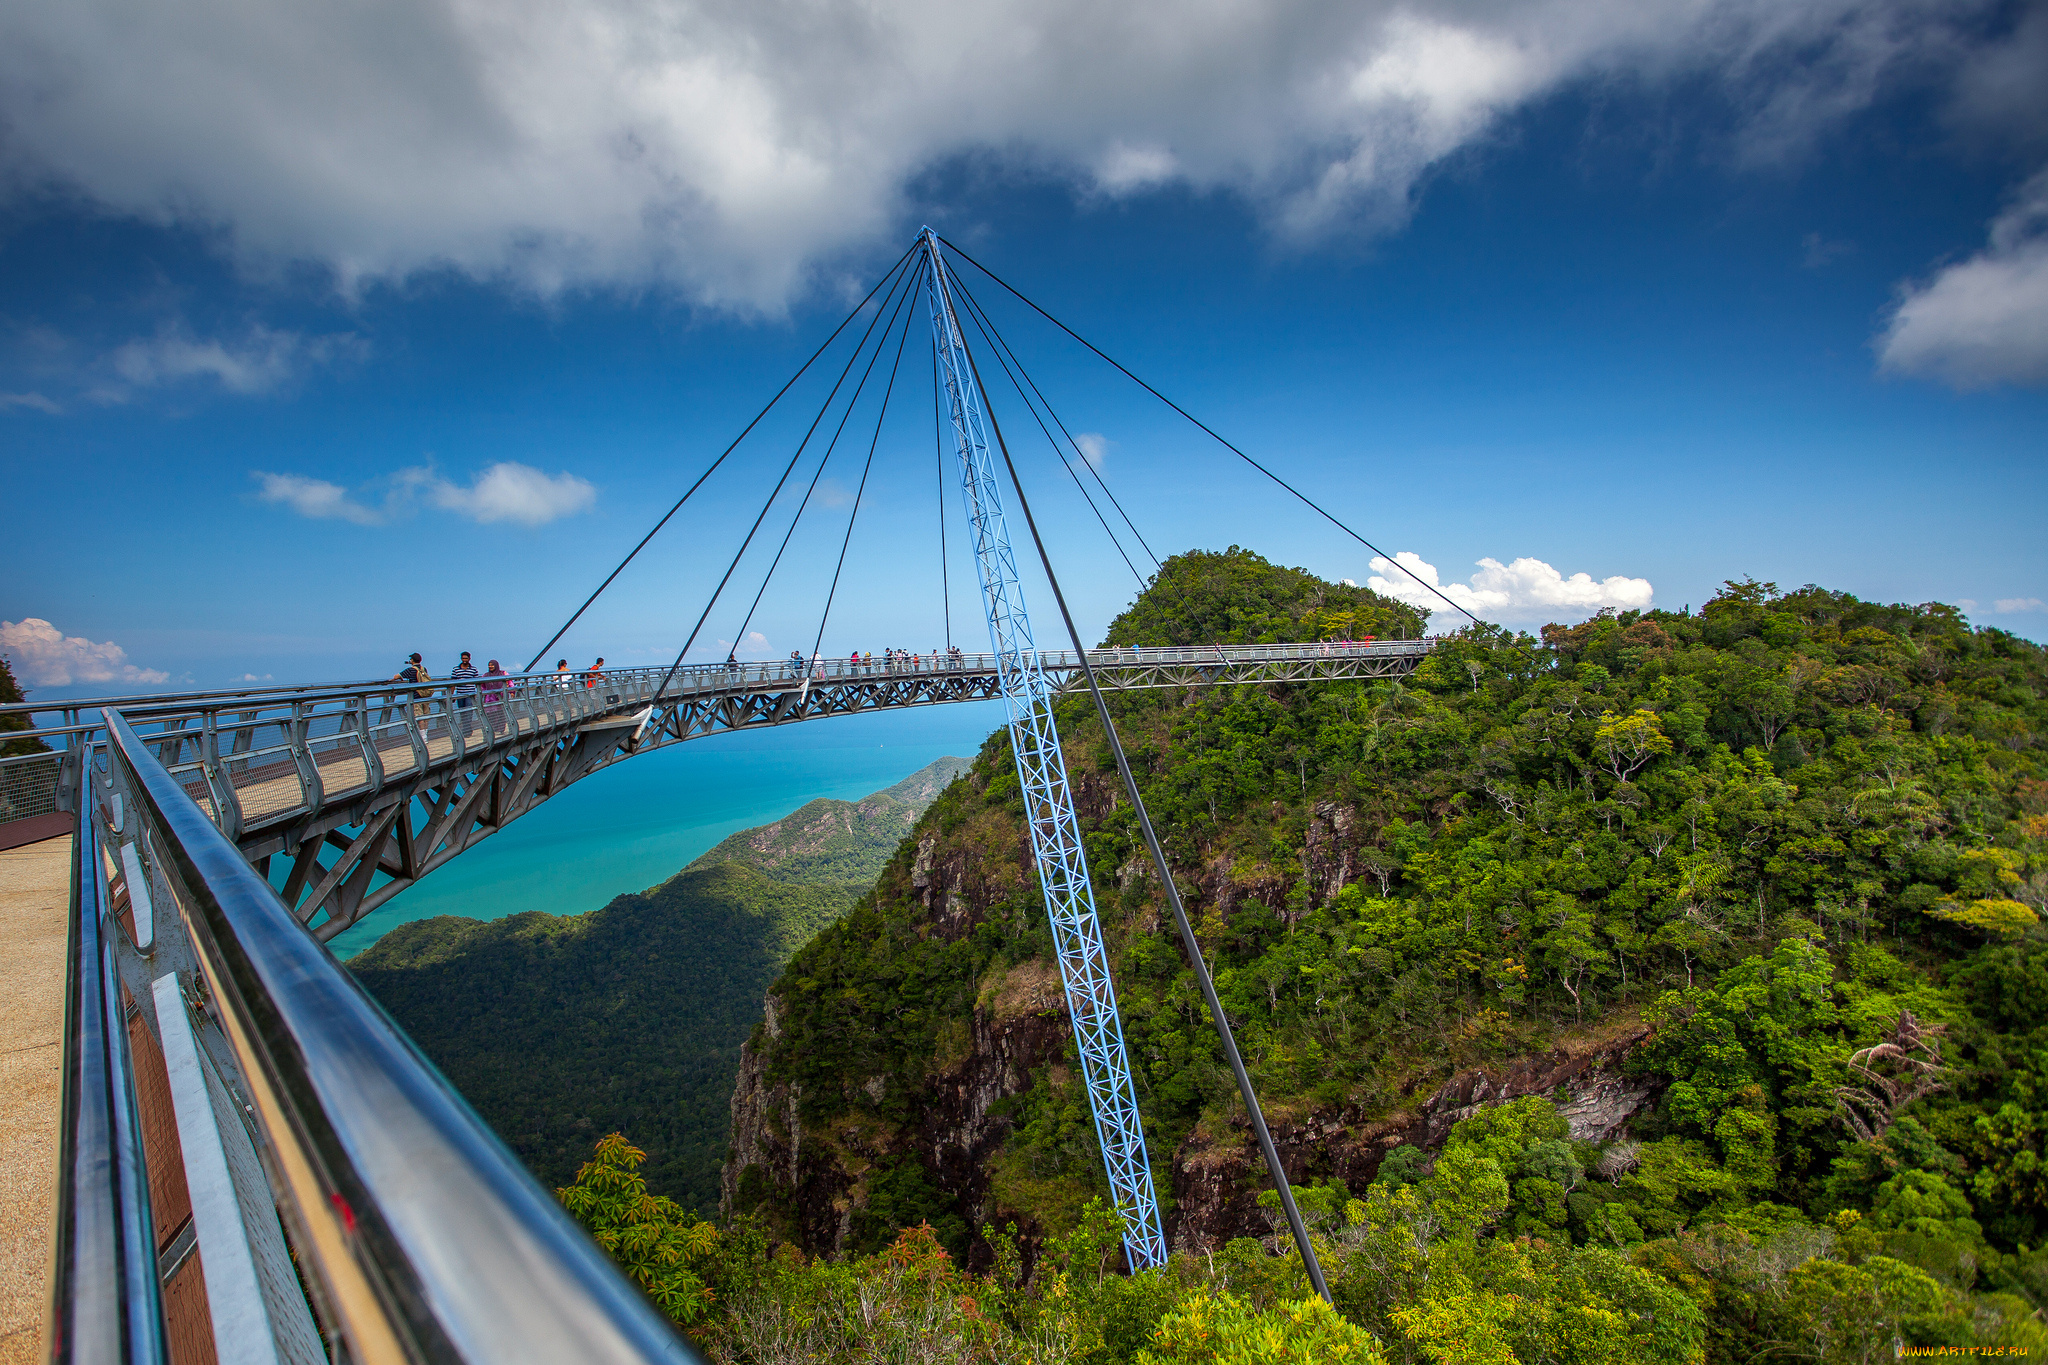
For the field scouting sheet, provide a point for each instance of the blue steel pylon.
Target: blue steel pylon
(1048, 804)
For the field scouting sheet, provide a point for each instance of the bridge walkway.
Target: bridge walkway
(35, 907)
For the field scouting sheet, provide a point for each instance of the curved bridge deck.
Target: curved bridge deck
(363, 789)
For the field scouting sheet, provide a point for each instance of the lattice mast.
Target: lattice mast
(1048, 802)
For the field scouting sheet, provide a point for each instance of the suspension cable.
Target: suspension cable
(837, 432)
(988, 324)
(854, 515)
(981, 325)
(1310, 503)
(740, 635)
(541, 653)
(791, 466)
(996, 344)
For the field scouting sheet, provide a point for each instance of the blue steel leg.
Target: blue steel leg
(1048, 803)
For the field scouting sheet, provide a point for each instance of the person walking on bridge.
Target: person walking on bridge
(494, 685)
(415, 672)
(596, 673)
(463, 675)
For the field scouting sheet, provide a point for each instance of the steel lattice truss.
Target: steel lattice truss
(1048, 802)
(361, 791)
(351, 852)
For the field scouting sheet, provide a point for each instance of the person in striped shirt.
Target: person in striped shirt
(464, 675)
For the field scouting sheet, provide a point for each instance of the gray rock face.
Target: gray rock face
(1216, 1183)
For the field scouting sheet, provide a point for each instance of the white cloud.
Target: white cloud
(513, 492)
(43, 656)
(507, 491)
(262, 360)
(735, 150)
(2005, 605)
(251, 677)
(1095, 448)
(29, 400)
(1983, 321)
(1526, 590)
(316, 498)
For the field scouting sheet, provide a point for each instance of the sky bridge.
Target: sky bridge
(355, 792)
(256, 1166)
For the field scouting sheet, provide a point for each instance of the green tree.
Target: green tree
(659, 1246)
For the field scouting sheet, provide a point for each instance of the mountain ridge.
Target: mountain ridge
(560, 1028)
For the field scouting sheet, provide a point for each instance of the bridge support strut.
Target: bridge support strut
(1048, 802)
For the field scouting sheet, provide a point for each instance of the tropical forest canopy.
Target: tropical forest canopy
(1799, 838)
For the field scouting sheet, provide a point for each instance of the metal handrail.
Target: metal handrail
(105, 1306)
(693, 678)
(421, 1236)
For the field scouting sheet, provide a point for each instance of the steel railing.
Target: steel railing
(346, 1204)
(254, 756)
(104, 1299)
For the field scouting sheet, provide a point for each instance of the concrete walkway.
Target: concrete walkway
(35, 899)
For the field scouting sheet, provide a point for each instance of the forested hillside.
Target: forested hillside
(561, 1028)
(1670, 984)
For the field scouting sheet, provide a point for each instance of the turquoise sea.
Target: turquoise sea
(637, 825)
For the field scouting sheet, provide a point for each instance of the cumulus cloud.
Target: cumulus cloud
(512, 492)
(1982, 321)
(507, 491)
(734, 150)
(2007, 605)
(43, 656)
(1525, 590)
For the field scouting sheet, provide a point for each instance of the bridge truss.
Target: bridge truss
(354, 793)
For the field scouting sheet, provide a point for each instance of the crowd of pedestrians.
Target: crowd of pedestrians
(905, 661)
(471, 690)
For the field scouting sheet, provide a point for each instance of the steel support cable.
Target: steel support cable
(854, 515)
(1180, 914)
(1306, 501)
(939, 446)
(790, 468)
(829, 449)
(542, 652)
(988, 324)
(740, 635)
(987, 331)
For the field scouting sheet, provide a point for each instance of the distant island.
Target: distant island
(561, 1028)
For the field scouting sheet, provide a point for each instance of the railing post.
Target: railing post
(227, 807)
(373, 762)
(310, 789)
(458, 723)
(417, 714)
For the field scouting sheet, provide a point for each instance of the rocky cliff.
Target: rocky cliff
(828, 1167)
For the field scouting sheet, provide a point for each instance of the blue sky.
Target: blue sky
(1661, 295)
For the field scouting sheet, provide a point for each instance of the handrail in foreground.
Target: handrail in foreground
(419, 1234)
(104, 1301)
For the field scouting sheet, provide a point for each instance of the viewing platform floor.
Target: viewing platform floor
(35, 901)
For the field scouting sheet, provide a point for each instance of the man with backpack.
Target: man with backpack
(415, 672)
